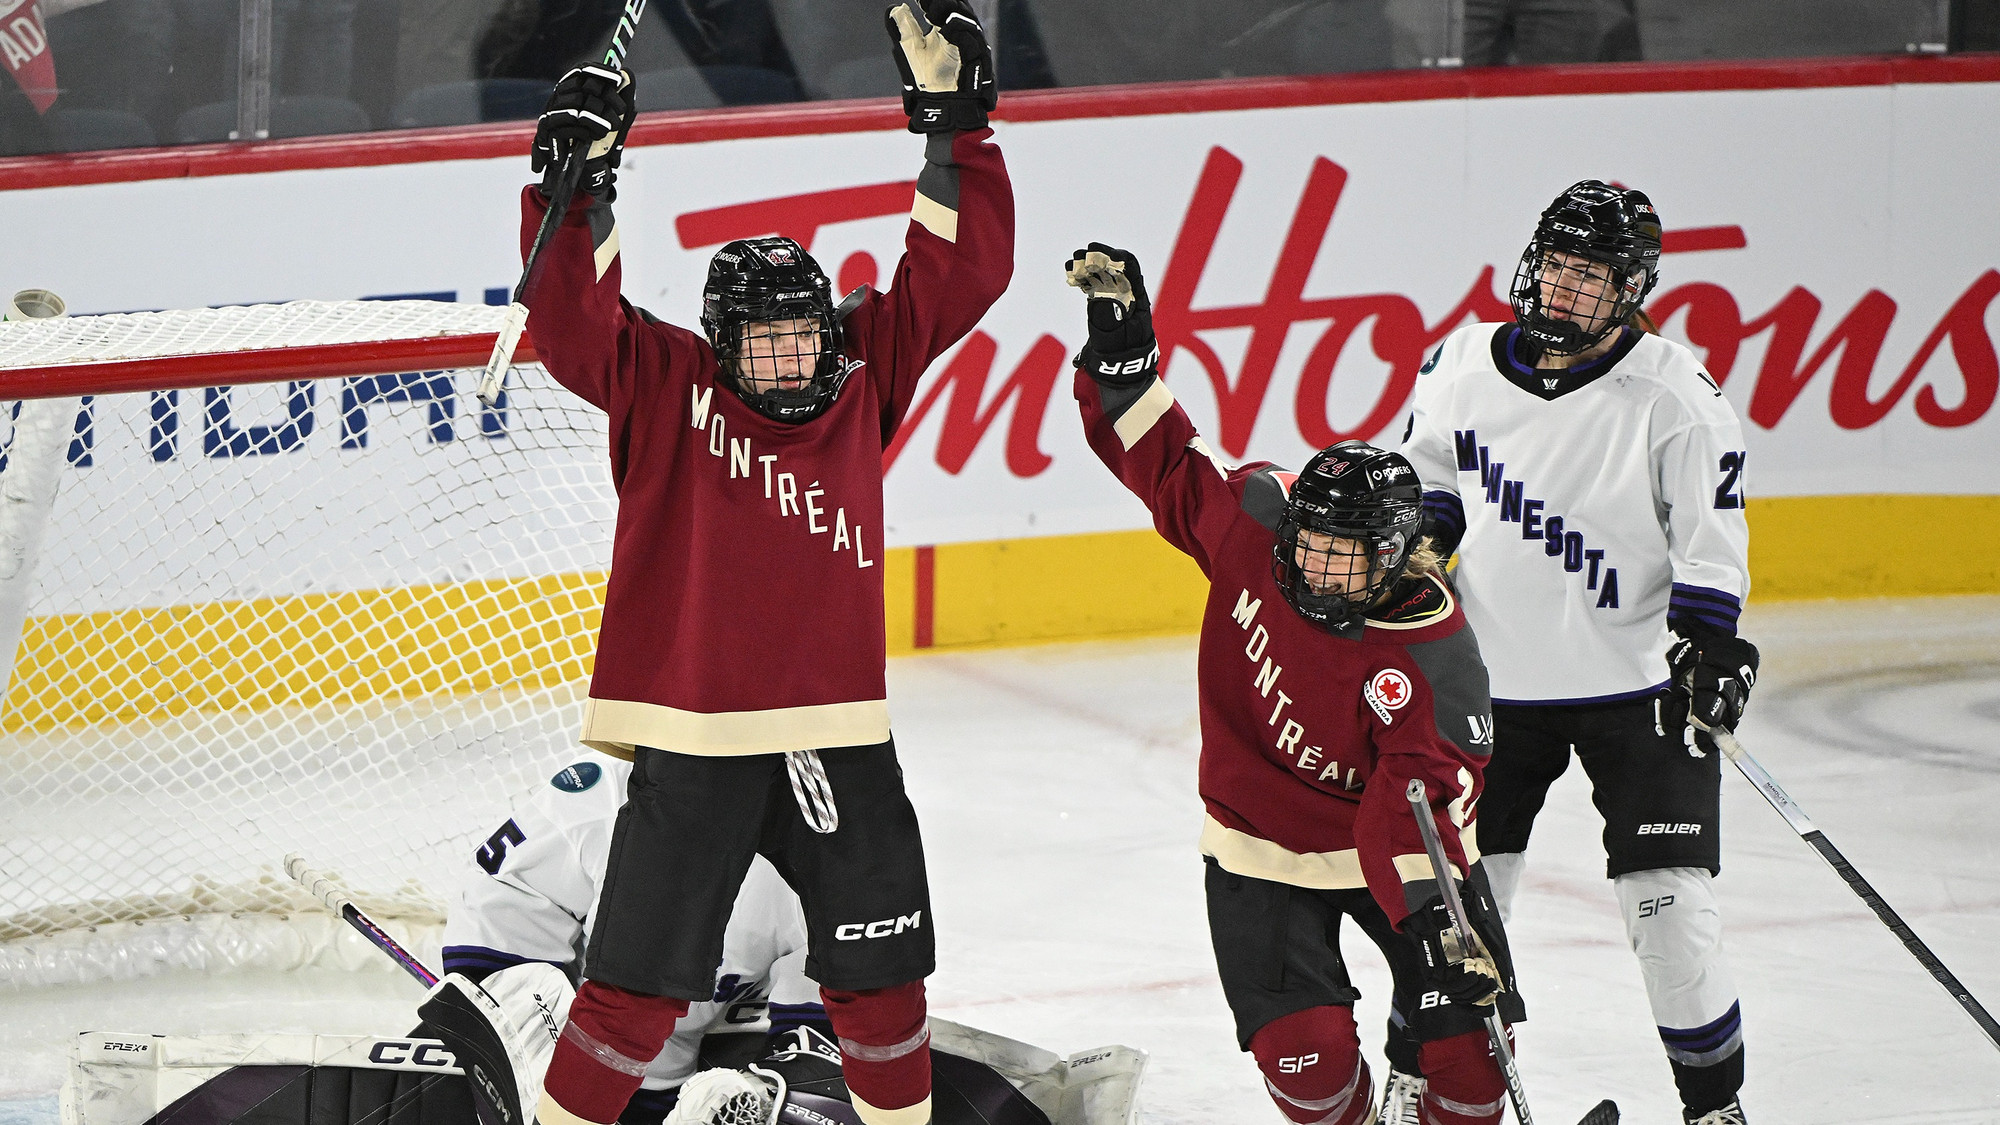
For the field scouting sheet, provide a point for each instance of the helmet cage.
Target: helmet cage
(1589, 225)
(768, 310)
(1380, 507)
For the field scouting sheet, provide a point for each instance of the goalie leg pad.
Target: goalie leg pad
(601, 1058)
(1465, 1083)
(884, 1051)
(1313, 1067)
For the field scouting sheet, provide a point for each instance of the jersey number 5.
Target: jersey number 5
(1729, 494)
(494, 852)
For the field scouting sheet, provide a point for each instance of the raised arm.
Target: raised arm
(1130, 418)
(589, 338)
(958, 251)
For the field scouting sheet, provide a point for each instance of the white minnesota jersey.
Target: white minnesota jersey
(1593, 509)
(532, 886)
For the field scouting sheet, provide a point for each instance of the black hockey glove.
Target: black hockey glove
(591, 106)
(1122, 350)
(947, 67)
(1713, 677)
(1464, 976)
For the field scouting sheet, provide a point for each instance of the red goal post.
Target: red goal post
(280, 583)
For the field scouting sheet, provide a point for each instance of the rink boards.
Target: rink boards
(1307, 241)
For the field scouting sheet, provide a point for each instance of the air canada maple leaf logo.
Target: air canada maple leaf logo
(1391, 688)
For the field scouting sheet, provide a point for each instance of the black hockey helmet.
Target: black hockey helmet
(1597, 222)
(773, 281)
(1349, 491)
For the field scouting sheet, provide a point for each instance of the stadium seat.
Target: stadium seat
(303, 115)
(479, 99)
(87, 130)
(868, 77)
(709, 86)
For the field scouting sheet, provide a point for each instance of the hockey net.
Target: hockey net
(292, 588)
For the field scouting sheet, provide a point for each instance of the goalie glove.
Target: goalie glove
(1464, 975)
(1712, 678)
(726, 1097)
(503, 1033)
(591, 106)
(947, 67)
(1122, 350)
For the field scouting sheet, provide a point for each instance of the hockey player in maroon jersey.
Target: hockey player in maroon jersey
(741, 657)
(1335, 666)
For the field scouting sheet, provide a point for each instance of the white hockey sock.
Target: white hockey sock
(1503, 874)
(1675, 926)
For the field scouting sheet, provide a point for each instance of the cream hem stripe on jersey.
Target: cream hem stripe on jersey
(615, 726)
(1243, 854)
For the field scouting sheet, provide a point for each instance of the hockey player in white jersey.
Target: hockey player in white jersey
(528, 894)
(1590, 475)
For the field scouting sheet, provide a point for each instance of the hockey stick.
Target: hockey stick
(463, 1015)
(1496, 1031)
(328, 891)
(567, 179)
(1796, 817)
(1604, 1112)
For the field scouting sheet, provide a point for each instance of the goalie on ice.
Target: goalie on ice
(512, 947)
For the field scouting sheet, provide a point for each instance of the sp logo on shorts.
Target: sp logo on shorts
(887, 927)
(1389, 690)
(1297, 1063)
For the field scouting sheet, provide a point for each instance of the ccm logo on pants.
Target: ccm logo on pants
(887, 927)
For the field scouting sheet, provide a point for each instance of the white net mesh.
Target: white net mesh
(235, 328)
(347, 617)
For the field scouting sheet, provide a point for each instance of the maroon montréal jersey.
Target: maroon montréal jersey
(743, 614)
(1309, 737)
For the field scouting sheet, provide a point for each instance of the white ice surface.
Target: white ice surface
(1056, 786)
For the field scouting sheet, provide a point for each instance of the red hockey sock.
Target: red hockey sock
(610, 1037)
(1465, 1083)
(884, 1051)
(1313, 1067)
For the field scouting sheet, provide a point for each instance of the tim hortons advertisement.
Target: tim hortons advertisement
(1830, 251)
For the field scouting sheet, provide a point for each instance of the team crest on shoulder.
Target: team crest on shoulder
(577, 778)
(1388, 691)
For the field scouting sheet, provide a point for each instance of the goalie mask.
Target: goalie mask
(1350, 522)
(1594, 257)
(768, 311)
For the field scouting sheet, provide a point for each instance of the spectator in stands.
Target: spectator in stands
(1501, 32)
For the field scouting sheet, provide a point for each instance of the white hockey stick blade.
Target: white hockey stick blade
(495, 376)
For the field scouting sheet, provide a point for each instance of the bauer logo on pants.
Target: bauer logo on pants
(1388, 691)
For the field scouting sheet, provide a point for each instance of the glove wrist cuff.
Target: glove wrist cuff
(946, 113)
(1122, 368)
